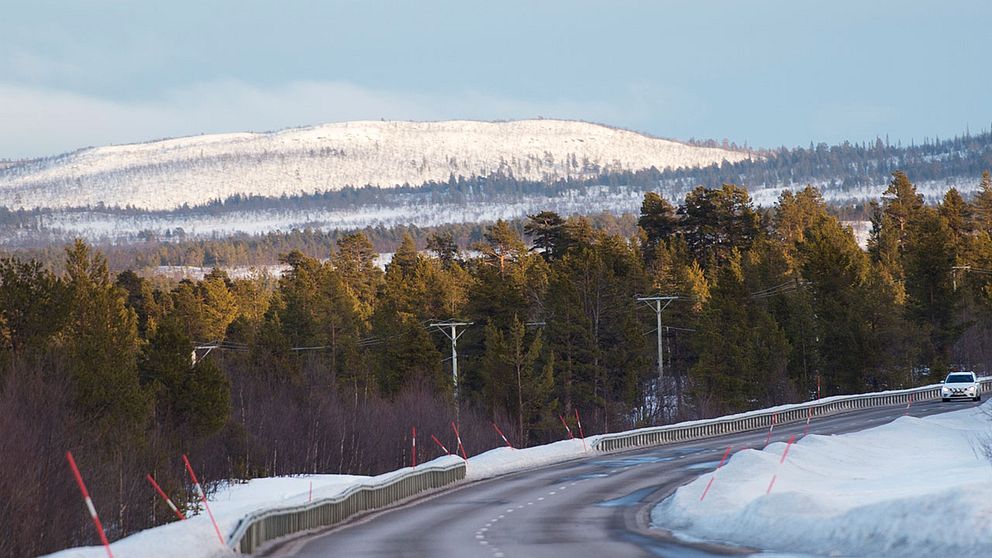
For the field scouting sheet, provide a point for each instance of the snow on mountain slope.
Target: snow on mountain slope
(195, 170)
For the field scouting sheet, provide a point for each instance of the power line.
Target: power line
(787, 287)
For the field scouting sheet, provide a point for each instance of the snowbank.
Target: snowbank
(195, 538)
(914, 487)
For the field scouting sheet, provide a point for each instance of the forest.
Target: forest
(326, 368)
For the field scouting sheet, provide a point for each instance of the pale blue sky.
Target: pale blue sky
(770, 73)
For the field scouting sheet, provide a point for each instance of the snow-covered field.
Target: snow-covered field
(914, 487)
(166, 174)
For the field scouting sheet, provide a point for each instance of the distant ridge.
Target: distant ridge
(170, 173)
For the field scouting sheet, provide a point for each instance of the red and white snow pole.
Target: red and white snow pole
(567, 429)
(908, 404)
(165, 497)
(713, 478)
(458, 438)
(438, 442)
(89, 503)
(771, 428)
(581, 433)
(413, 453)
(780, 462)
(501, 435)
(203, 498)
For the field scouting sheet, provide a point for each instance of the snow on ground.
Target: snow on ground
(914, 487)
(195, 538)
(195, 170)
(103, 226)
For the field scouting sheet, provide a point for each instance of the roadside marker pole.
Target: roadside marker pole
(413, 454)
(203, 498)
(501, 435)
(438, 442)
(770, 428)
(909, 404)
(567, 429)
(458, 438)
(785, 453)
(310, 498)
(809, 415)
(168, 501)
(89, 503)
(713, 478)
(581, 433)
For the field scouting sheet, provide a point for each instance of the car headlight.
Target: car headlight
(945, 390)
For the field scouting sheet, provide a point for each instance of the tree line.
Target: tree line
(325, 368)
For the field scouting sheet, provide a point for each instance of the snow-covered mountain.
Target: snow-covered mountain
(162, 175)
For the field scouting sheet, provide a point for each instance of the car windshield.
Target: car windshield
(959, 379)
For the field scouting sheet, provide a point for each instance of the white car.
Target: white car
(961, 385)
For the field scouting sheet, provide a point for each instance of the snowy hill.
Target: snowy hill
(166, 174)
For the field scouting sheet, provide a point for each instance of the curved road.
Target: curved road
(597, 506)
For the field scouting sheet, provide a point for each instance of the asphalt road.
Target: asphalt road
(593, 507)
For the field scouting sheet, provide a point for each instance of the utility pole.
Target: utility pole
(453, 335)
(655, 302)
(954, 275)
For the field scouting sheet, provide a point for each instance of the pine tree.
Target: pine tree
(32, 306)
(546, 231)
(932, 300)
(716, 221)
(658, 221)
(837, 270)
(743, 353)
(355, 261)
(192, 398)
(957, 213)
(102, 338)
(502, 246)
(982, 205)
(794, 214)
(443, 246)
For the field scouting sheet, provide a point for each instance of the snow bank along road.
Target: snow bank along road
(597, 506)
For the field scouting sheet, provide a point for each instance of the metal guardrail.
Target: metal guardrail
(266, 525)
(754, 420)
(263, 526)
